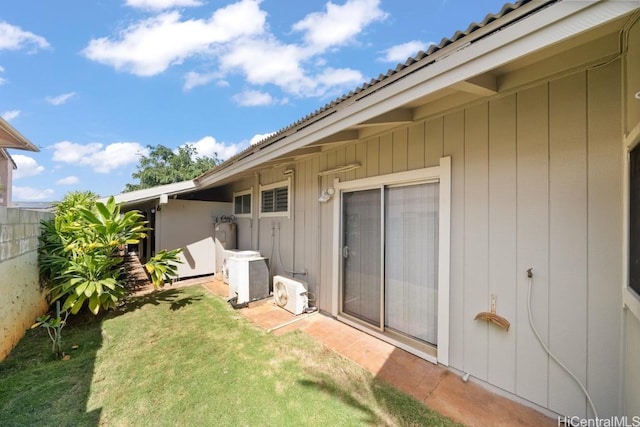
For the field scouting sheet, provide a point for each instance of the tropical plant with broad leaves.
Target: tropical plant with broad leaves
(78, 254)
(162, 267)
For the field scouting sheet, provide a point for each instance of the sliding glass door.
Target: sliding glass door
(390, 258)
(411, 260)
(361, 253)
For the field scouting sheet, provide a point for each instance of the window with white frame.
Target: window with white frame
(274, 199)
(242, 203)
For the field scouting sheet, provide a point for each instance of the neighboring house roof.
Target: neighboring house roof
(154, 193)
(11, 138)
(5, 155)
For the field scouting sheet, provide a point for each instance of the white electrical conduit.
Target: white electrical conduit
(290, 271)
(535, 331)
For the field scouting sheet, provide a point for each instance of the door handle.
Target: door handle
(345, 252)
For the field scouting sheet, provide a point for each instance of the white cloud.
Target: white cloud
(209, 146)
(162, 4)
(237, 39)
(332, 79)
(15, 38)
(93, 155)
(32, 194)
(2, 79)
(69, 180)
(401, 52)
(193, 79)
(26, 166)
(152, 45)
(267, 61)
(10, 115)
(60, 99)
(340, 23)
(253, 98)
(260, 137)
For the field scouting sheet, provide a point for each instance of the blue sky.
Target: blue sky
(94, 82)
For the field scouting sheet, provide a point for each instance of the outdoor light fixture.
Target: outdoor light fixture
(326, 195)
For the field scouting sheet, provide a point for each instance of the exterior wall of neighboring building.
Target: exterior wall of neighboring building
(6, 173)
(188, 224)
(21, 298)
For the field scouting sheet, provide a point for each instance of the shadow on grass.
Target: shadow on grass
(327, 385)
(171, 296)
(36, 388)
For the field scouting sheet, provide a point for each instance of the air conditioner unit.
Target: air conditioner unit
(290, 294)
(248, 278)
(234, 253)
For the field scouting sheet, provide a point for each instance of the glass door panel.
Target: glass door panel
(361, 254)
(411, 260)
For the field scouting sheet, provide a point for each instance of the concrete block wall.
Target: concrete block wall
(21, 299)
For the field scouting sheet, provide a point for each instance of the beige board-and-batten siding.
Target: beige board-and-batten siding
(21, 297)
(536, 183)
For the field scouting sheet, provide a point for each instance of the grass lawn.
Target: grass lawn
(184, 357)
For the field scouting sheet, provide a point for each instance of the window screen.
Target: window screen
(275, 200)
(634, 219)
(242, 204)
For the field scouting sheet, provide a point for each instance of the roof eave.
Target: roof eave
(516, 38)
(154, 193)
(11, 138)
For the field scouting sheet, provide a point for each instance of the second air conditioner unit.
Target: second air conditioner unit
(290, 294)
(248, 278)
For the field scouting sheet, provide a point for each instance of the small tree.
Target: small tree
(165, 166)
(78, 251)
(79, 258)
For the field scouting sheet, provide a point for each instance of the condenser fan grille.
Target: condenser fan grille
(280, 294)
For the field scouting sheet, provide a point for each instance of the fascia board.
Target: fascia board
(551, 25)
(153, 193)
(19, 141)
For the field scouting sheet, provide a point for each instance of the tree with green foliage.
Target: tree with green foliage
(165, 166)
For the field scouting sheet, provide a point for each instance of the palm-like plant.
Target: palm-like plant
(78, 252)
(162, 267)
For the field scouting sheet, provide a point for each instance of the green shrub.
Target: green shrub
(162, 268)
(78, 254)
